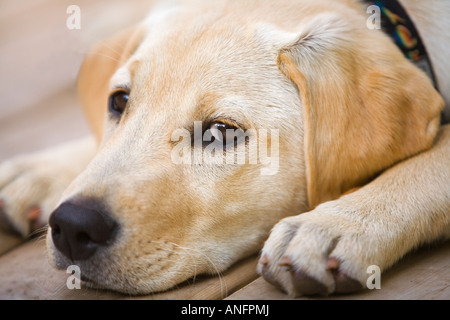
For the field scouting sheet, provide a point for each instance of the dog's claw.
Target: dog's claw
(286, 262)
(343, 283)
(268, 276)
(264, 260)
(333, 264)
(34, 215)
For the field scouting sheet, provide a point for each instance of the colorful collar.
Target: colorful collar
(396, 23)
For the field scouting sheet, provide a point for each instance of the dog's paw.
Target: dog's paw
(29, 189)
(316, 253)
(31, 186)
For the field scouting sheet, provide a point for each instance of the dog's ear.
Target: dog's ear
(365, 106)
(98, 66)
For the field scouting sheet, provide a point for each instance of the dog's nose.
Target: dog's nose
(78, 231)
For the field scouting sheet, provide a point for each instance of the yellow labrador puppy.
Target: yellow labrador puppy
(216, 120)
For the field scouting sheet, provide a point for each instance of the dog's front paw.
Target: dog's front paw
(31, 186)
(316, 253)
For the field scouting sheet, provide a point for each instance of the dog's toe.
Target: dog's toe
(267, 274)
(35, 218)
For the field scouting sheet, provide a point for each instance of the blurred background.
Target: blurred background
(39, 61)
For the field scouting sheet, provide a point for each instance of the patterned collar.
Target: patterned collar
(396, 23)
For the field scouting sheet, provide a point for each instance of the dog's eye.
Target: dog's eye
(225, 133)
(118, 102)
(219, 131)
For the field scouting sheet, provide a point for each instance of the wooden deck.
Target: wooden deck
(39, 60)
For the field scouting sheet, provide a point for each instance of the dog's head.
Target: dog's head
(215, 123)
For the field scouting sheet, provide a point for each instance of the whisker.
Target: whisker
(219, 274)
(105, 44)
(104, 55)
(38, 234)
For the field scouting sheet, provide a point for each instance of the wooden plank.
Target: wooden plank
(424, 274)
(8, 241)
(53, 121)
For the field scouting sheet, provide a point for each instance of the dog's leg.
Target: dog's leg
(330, 248)
(31, 185)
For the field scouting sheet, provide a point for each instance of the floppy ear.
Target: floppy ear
(366, 107)
(98, 66)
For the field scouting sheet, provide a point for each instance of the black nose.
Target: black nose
(78, 231)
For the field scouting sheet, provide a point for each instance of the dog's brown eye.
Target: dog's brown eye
(226, 134)
(118, 102)
(219, 131)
